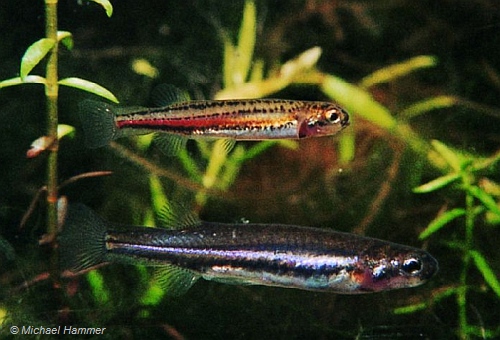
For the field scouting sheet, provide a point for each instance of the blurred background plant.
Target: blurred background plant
(407, 72)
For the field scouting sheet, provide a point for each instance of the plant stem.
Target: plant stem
(462, 291)
(51, 93)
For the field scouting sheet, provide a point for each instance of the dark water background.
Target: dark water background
(182, 40)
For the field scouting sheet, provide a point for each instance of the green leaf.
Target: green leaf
(36, 52)
(106, 5)
(158, 196)
(288, 73)
(356, 99)
(66, 38)
(347, 145)
(441, 221)
(394, 71)
(19, 81)
(487, 200)
(246, 43)
(229, 59)
(410, 308)
(143, 67)
(427, 105)
(485, 269)
(64, 130)
(88, 86)
(450, 156)
(437, 183)
(99, 290)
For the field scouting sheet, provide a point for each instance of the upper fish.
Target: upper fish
(248, 119)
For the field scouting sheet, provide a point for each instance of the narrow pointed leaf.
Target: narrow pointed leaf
(441, 221)
(36, 52)
(19, 81)
(487, 200)
(427, 105)
(356, 99)
(394, 71)
(449, 155)
(158, 196)
(437, 183)
(487, 272)
(229, 53)
(246, 43)
(88, 86)
(66, 38)
(106, 5)
(288, 73)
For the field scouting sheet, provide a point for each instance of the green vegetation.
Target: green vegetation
(418, 115)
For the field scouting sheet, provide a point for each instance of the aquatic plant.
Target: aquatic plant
(48, 48)
(206, 172)
(466, 173)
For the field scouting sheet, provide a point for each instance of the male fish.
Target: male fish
(248, 119)
(261, 254)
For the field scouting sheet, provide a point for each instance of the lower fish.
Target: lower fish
(258, 254)
(177, 116)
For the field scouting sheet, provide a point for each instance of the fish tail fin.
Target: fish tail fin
(82, 242)
(98, 121)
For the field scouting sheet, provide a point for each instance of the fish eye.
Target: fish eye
(332, 116)
(412, 266)
(379, 272)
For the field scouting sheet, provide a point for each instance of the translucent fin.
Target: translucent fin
(175, 281)
(98, 121)
(228, 145)
(170, 144)
(176, 216)
(82, 242)
(166, 94)
(228, 280)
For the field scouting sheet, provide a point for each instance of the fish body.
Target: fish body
(253, 119)
(262, 254)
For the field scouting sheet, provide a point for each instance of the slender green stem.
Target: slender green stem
(51, 94)
(462, 291)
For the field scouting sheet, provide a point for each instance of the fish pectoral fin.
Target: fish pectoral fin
(174, 281)
(167, 94)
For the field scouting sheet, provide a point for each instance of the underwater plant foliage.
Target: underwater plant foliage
(418, 164)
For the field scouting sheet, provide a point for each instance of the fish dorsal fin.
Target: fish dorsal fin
(176, 216)
(174, 281)
(167, 94)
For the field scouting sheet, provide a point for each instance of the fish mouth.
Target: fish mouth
(431, 267)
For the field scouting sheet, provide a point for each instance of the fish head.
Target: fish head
(323, 120)
(403, 270)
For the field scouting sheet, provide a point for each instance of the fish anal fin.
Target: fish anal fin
(228, 145)
(167, 94)
(170, 144)
(174, 281)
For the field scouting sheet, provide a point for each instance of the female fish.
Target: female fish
(261, 254)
